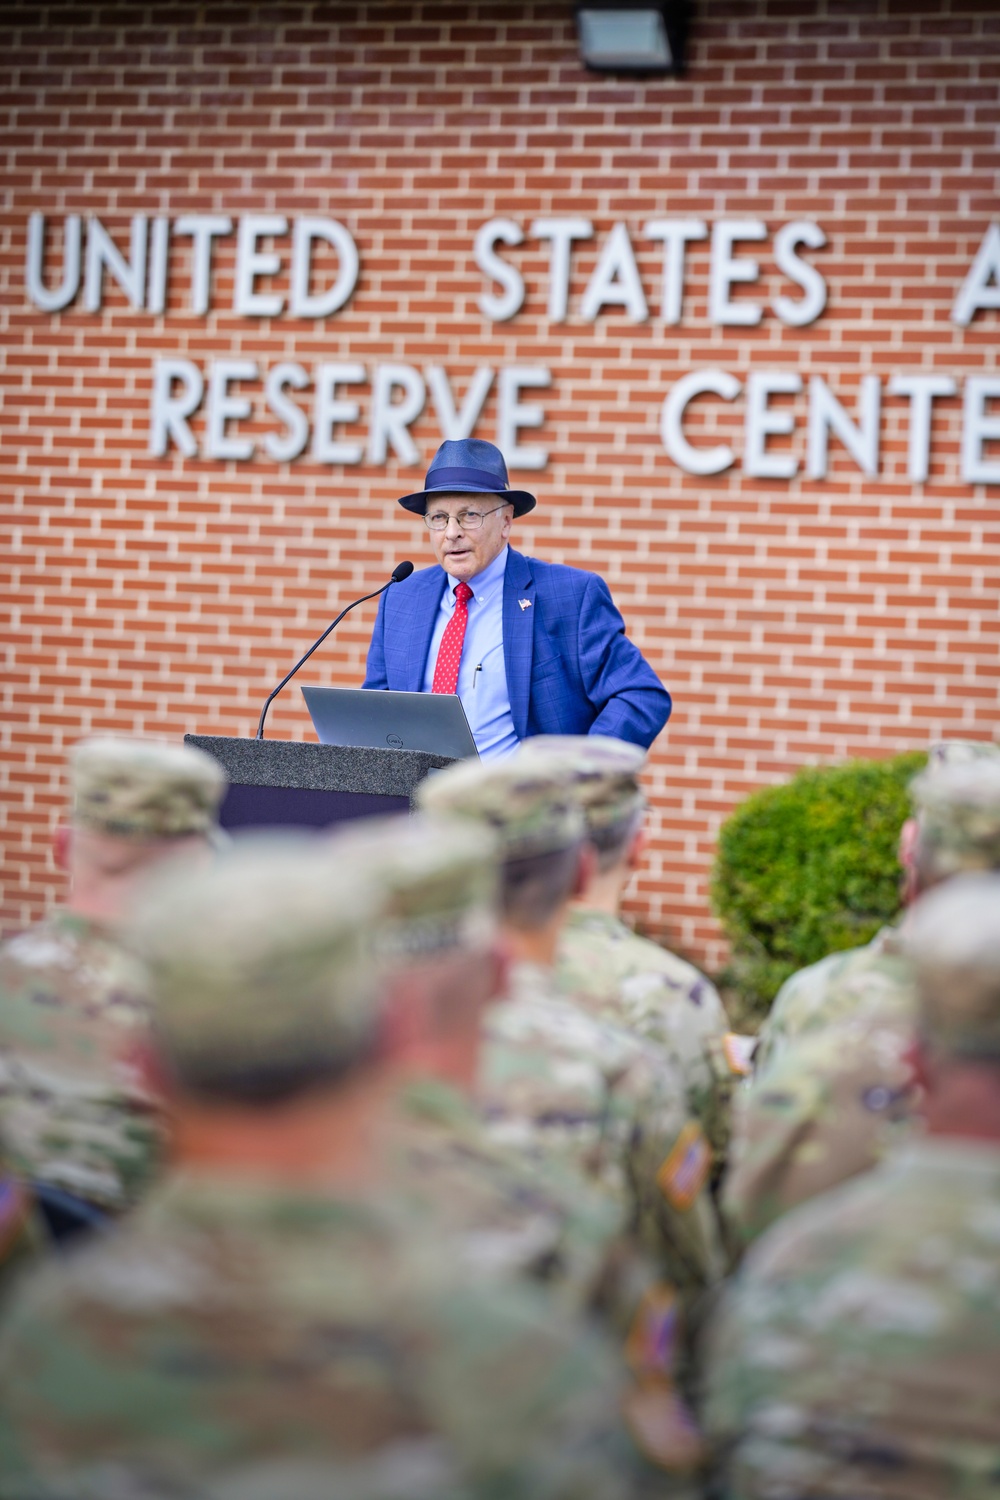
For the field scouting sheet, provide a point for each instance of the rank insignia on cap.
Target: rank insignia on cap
(683, 1173)
(652, 1339)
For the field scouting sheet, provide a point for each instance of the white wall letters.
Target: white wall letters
(309, 268)
(398, 393)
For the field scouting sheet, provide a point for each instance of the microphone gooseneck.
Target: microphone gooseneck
(400, 571)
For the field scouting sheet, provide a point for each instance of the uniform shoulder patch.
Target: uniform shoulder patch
(651, 1346)
(684, 1171)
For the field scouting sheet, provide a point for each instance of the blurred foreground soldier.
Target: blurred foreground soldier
(833, 1099)
(437, 939)
(858, 1354)
(502, 1211)
(77, 1118)
(564, 1085)
(271, 1322)
(611, 970)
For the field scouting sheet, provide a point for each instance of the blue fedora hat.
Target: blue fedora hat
(468, 467)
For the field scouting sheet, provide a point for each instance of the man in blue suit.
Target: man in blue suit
(530, 647)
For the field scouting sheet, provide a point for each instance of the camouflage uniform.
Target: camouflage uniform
(507, 1211)
(569, 1087)
(576, 1093)
(833, 1088)
(504, 1211)
(874, 979)
(565, 1085)
(858, 1352)
(610, 970)
(241, 1340)
(957, 800)
(614, 973)
(507, 1214)
(244, 1337)
(828, 1108)
(75, 1111)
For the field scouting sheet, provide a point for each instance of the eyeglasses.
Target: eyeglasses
(468, 520)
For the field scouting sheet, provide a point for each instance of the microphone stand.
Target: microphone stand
(302, 660)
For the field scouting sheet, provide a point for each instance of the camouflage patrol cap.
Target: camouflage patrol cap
(437, 880)
(261, 964)
(953, 940)
(532, 809)
(958, 816)
(144, 789)
(604, 772)
(960, 753)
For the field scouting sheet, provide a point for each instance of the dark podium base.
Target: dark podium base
(283, 783)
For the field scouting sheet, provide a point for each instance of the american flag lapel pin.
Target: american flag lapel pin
(524, 603)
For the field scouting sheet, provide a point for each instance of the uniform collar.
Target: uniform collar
(587, 918)
(435, 1100)
(949, 1155)
(73, 924)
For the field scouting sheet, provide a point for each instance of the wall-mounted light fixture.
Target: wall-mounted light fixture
(619, 37)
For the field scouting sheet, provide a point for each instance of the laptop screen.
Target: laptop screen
(432, 722)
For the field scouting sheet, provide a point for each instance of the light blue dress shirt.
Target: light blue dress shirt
(482, 674)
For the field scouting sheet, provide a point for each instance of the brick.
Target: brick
(145, 594)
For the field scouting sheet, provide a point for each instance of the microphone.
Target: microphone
(400, 571)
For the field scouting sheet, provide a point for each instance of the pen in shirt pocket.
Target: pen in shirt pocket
(475, 676)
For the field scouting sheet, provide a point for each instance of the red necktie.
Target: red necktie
(450, 649)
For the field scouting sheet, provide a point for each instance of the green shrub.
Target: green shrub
(809, 867)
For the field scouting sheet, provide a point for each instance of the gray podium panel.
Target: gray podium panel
(275, 783)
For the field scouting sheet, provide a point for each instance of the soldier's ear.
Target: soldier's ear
(636, 852)
(586, 871)
(919, 1059)
(500, 961)
(403, 1017)
(907, 853)
(62, 843)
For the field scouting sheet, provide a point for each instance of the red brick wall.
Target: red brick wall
(795, 621)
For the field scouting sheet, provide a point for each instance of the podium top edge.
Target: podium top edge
(304, 763)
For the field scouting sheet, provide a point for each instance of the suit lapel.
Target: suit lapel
(417, 605)
(518, 636)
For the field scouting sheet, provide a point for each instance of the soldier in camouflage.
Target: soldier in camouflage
(437, 938)
(611, 970)
(506, 1212)
(273, 1321)
(830, 1107)
(858, 1352)
(561, 1084)
(837, 988)
(77, 1116)
(837, 1089)
(842, 984)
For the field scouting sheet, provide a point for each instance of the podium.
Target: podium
(275, 783)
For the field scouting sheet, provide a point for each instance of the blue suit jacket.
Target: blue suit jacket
(571, 669)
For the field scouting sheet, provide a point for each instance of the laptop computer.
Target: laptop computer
(380, 719)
